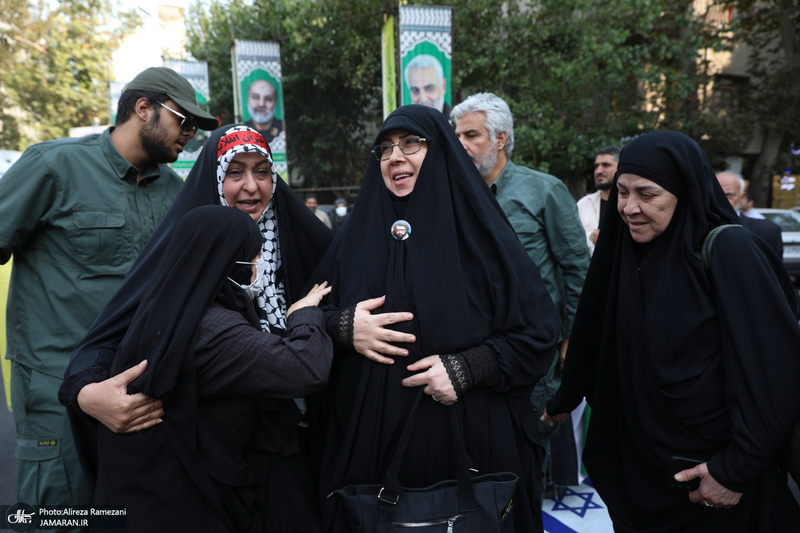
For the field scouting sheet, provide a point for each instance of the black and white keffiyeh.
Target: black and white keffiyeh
(271, 302)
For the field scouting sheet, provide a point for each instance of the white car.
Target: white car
(7, 158)
(789, 221)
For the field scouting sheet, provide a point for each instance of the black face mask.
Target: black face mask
(241, 274)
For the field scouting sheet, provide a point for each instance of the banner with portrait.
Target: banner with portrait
(260, 94)
(426, 51)
(196, 73)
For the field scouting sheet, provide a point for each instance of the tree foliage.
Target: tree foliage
(583, 74)
(330, 59)
(60, 56)
(578, 74)
(771, 28)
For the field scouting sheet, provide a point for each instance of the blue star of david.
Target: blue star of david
(580, 510)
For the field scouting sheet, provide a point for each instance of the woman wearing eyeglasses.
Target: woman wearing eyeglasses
(451, 304)
(234, 169)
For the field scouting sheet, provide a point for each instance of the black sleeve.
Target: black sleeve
(475, 367)
(760, 335)
(776, 241)
(236, 359)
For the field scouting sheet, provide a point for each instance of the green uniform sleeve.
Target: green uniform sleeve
(27, 191)
(568, 245)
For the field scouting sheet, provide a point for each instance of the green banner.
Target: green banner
(196, 73)
(388, 63)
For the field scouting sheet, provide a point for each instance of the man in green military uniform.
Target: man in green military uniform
(541, 210)
(75, 213)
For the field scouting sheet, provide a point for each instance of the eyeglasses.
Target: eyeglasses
(188, 124)
(409, 145)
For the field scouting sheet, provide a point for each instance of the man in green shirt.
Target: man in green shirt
(75, 213)
(541, 210)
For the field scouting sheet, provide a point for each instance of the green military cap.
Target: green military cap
(166, 81)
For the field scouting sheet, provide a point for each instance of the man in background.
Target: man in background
(75, 213)
(592, 206)
(734, 188)
(747, 206)
(311, 203)
(542, 213)
(340, 212)
(425, 79)
(262, 101)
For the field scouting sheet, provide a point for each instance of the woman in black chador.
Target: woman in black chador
(682, 359)
(483, 329)
(217, 462)
(294, 241)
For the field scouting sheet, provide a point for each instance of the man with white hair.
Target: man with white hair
(734, 188)
(542, 212)
(426, 82)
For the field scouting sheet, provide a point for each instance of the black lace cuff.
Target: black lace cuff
(476, 367)
(340, 327)
(457, 371)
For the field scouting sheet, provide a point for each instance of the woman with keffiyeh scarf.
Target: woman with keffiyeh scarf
(293, 242)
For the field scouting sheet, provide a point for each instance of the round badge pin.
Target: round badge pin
(401, 230)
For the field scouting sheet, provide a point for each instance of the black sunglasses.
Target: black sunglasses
(188, 124)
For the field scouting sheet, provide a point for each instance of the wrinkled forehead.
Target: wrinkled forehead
(729, 182)
(424, 75)
(262, 87)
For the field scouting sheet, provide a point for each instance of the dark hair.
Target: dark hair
(610, 150)
(128, 101)
(311, 195)
(751, 196)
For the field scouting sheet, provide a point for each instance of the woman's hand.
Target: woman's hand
(710, 493)
(312, 299)
(371, 339)
(552, 420)
(109, 402)
(437, 382)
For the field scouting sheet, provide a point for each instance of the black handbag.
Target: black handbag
(481, 504)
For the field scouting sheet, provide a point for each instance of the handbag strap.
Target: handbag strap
(709, 240)
(392, 491)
